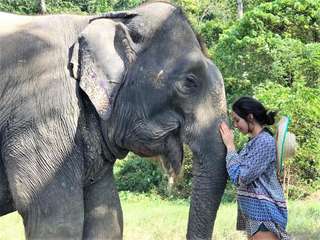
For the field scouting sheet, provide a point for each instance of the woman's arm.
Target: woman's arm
(245, 168)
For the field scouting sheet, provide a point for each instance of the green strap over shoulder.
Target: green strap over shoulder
(287, 122)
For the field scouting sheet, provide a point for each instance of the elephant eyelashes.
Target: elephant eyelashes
(188, 85)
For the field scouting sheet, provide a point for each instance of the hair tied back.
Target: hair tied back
(270, 117)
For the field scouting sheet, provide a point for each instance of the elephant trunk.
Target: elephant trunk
(209, 179)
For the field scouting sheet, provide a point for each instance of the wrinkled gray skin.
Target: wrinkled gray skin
(75, 95)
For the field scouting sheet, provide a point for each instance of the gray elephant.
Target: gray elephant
(79, 92)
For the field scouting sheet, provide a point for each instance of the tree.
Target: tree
(42, 6)
(240, 8)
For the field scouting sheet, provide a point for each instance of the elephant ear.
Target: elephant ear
(104, 50)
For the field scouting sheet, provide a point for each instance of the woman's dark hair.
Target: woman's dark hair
(248, 105)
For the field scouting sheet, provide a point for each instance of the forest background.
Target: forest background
(267, 49)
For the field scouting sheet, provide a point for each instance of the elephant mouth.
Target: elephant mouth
(169, 150)
(160, 136)
(173, 156)
(144, 152)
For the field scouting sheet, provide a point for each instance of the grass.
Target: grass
(151, 218)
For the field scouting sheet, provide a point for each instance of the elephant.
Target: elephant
(78, 92)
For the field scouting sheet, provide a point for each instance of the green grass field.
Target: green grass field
(151, 218)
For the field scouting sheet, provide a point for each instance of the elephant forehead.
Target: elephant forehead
(157, 11)
(151, 18)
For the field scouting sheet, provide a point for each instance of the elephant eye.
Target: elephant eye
(188, 85)
(191, 81)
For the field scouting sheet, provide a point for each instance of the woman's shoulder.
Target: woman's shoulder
(265, 139)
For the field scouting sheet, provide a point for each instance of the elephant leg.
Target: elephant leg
(57, 213)
(46, 186)
(51, 211)
(6, 203)
(103, 214)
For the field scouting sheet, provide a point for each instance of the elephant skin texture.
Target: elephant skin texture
(79, 92)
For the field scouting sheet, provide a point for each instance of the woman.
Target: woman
(261, 204)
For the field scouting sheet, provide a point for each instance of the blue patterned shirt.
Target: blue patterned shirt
(253, 171)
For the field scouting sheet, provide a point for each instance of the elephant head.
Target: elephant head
(149, 79)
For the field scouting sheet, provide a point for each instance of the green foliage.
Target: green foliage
(209, 17)
(251, 4)
(302, 104)
(126, 4)
(90, 6)
(294, 19)
(137, 174)
(267, 45)
(67, 6)
(298, 19)
(19, 6)
(230, 193)
(211, 31)
(182, 185)
(62, 6)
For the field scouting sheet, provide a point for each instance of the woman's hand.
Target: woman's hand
(227, 136)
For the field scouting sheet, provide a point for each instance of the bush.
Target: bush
(182, 186)
(268, 44)
(137, 174)
(60, 6)
(302, 104)
(126, 4)
(19, 6)
(211, 30)
(67, 6)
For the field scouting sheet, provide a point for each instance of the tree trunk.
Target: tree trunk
(42, 6)
(284, 180)
(240, 8)
(288, 183)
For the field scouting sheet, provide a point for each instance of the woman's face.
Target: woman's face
(239, 123)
